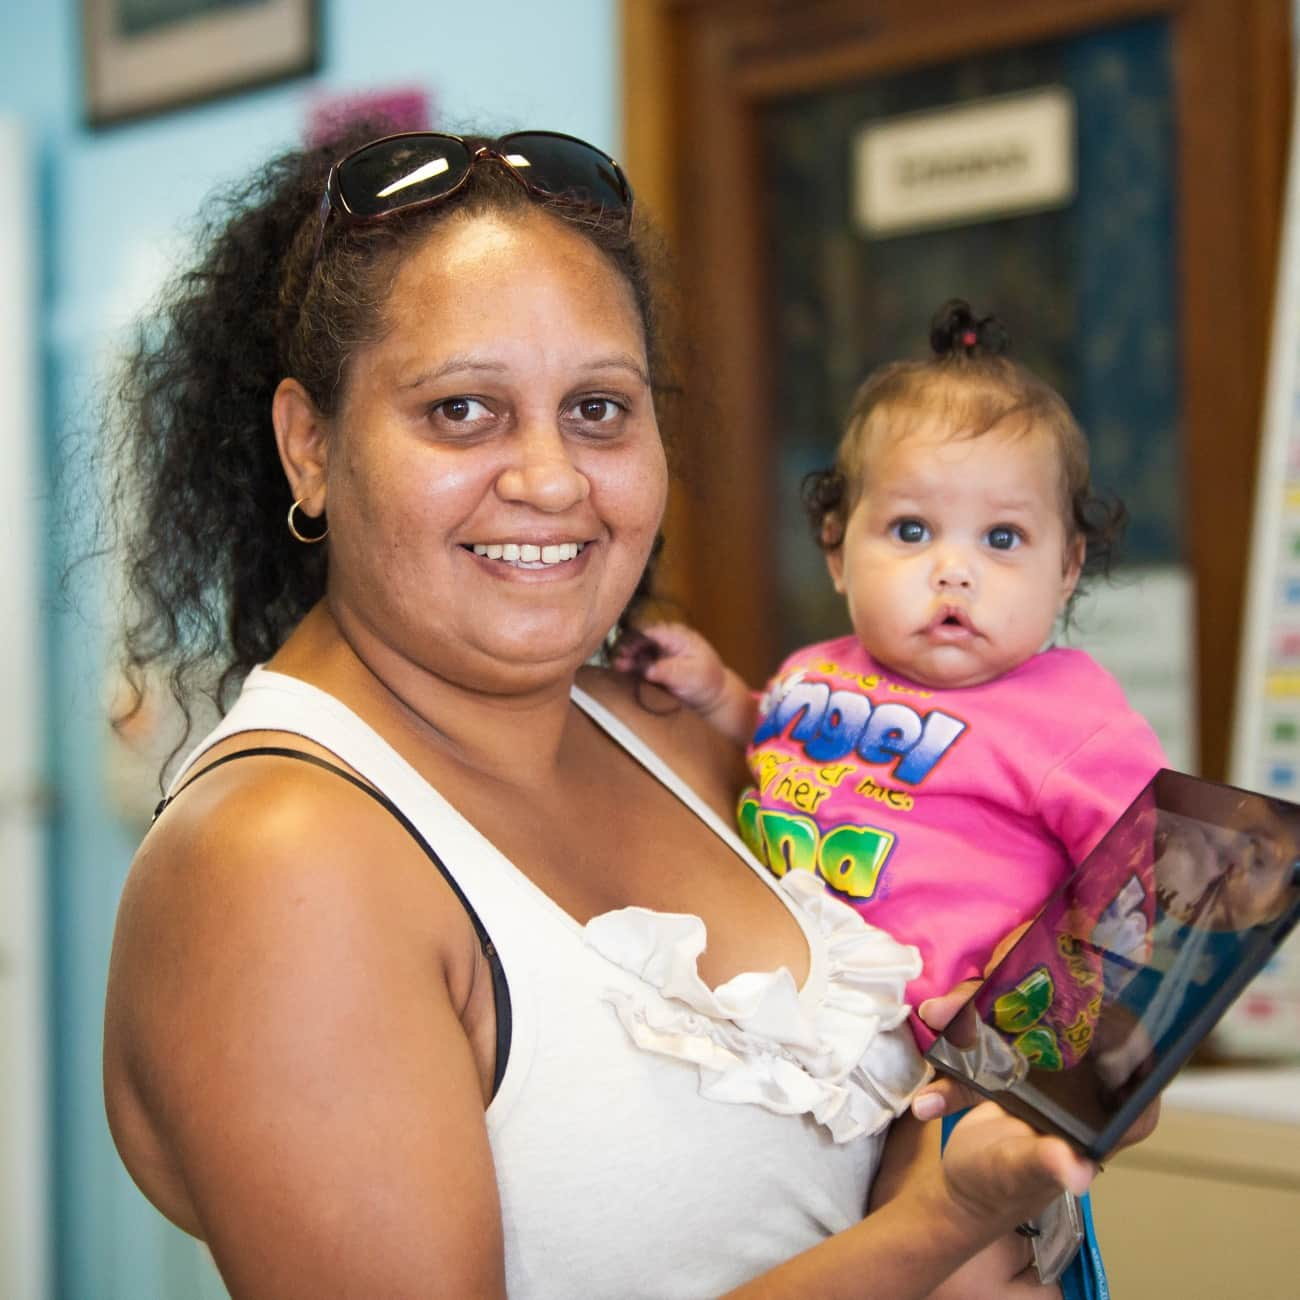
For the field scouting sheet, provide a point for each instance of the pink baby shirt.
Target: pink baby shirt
(945, 816)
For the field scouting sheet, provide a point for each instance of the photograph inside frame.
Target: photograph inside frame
(1132, 961)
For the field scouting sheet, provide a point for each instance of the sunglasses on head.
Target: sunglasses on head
(401, 172)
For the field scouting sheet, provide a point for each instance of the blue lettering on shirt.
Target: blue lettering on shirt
(831, 724)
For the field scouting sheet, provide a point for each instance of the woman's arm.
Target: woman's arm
(285, 1017)
(996, 1172)
(1003, 1270)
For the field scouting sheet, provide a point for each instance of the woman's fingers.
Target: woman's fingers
(1005, 1172)
(1142, 1127)
(1065, 1165)
(938, 1012)
(1006, 944)
(943, 1097)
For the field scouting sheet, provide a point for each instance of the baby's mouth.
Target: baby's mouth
(528, 555)
(950, 620)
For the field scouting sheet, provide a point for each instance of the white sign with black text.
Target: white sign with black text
(974, 162)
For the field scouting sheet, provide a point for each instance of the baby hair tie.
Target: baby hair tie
(308, 539)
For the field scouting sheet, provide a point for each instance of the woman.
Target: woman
(352, 1069)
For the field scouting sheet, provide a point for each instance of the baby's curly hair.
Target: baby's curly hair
(973, 387)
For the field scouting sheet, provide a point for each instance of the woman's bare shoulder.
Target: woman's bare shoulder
(283, 998)
(707, 761)
(261, 826)
(278, 861)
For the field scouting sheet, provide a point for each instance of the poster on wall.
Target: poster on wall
(1266, 737)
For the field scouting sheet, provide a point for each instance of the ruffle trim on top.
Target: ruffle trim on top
(847, 1058)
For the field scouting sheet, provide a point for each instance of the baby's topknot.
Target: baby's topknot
(955, 331)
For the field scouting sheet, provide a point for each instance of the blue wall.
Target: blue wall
(114, 204)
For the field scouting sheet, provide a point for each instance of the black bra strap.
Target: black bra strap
(500, 990)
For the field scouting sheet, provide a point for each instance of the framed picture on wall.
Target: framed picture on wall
(147, 56)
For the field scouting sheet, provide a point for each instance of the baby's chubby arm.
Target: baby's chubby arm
(692, 670)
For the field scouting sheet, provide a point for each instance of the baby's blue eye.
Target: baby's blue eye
(1003, 538)
(910, 530)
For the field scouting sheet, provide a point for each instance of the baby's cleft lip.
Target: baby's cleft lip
(952, 620)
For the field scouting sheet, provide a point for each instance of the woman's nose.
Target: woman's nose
(542, 474)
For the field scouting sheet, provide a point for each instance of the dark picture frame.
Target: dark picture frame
(143, 57)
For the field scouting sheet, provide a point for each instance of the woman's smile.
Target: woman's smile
(532, 556)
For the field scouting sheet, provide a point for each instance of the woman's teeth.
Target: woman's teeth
(528, 555)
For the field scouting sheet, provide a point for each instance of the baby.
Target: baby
(943, 767)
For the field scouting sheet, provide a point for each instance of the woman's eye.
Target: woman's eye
(1004, 538)
(910, 530)
(460, 410)
(597, 410)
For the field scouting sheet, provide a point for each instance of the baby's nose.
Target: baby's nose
(953, 573)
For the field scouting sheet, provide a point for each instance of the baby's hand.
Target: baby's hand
(687, 666)
(692, 670)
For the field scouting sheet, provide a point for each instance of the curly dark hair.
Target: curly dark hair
(976, 387)
(198, 495)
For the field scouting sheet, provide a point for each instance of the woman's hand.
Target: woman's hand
(1000, 1170)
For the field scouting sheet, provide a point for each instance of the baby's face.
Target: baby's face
(1225, 878)
(955, 561)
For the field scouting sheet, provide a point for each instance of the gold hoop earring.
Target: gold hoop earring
(303, 537)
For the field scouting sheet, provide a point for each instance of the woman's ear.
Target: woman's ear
(302, 436)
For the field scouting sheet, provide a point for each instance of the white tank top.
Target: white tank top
(653, 1137)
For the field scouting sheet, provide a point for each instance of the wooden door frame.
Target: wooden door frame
(695, 74)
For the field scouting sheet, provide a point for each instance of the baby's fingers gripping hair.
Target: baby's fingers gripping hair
(955, 331)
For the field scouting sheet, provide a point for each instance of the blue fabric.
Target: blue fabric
(1085, 1279)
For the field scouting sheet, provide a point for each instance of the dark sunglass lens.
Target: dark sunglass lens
(567, 168)
(401, 171)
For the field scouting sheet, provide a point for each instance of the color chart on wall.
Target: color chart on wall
(1265, 1022)
(1270, 688)
(1266, 738)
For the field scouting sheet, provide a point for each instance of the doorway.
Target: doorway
(1144, 297)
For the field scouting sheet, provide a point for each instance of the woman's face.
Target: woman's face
(495, 477)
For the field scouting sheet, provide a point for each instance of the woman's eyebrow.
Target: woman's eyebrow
(621, 361)
(468, 363)
(460, 363)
